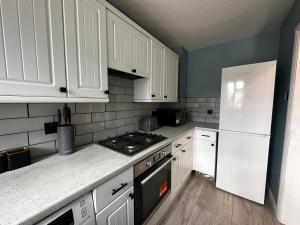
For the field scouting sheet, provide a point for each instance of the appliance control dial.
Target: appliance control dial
(163, 153)
(148, 163)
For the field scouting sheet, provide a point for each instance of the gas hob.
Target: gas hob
(132, 143)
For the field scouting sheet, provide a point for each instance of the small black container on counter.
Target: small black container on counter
(3, 162)
(17, 158)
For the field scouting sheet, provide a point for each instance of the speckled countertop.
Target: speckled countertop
(31, 193)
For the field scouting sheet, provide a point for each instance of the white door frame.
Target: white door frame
(289, 122)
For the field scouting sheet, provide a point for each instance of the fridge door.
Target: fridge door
(247, 98)
(242, 164)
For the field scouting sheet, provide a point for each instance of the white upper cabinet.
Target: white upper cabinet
(128, 49)
(170, 77)
(119, 33)
(86, 50)
(162, 86)
(141, 54)
(32, 60)
(156, 80)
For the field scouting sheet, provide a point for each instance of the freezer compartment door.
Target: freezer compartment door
(242, 164)
(247, 98)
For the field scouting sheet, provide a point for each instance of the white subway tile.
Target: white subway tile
(81, 118)
(90, 107)
(114, 123)
(98, 136)
(83, 139)
(89, 128)
(36, 137)
(43, 149)
(97, 117)
(47, 109)
(115, 106)
(11, 126)
(10, 111)
(13, 141)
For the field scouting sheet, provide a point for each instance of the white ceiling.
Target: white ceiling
(198, 23)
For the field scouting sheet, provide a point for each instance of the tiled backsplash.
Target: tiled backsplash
(23, 124)
(197, 108)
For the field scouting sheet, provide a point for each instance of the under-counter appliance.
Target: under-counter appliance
(132, 143)
(152, 182)
(79, 212)
(170, 117)
(245, 123)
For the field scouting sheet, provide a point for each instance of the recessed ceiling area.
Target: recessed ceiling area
(195, 24)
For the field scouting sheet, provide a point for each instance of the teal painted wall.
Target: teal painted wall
(282, 86)
(205, 64)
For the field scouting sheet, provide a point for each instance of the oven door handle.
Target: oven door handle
(157, 170)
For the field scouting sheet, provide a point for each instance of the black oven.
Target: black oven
(152, 183)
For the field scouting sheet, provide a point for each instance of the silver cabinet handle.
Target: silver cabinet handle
(204, 135)
(157, 170)
(178, 145)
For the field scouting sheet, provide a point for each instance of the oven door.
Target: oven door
(150, 188)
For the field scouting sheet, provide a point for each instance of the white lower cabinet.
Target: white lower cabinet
(113, 200)
(119, 212)
(183, 165)
(205, 152)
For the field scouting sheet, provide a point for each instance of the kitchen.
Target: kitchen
(131, 112)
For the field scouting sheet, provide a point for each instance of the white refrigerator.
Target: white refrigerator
(245, 124)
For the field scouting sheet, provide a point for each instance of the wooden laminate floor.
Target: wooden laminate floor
(201, 203)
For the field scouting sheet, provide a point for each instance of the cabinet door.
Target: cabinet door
(141, 64)
(205, 156)
(86, 52)
(120, 36)
(157, 71)
(171, 77)
(120, 211)
(187, 160)
(176, 172)
(32, 61)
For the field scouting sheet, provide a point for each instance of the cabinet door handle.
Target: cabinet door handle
(178, 145)
(131, 196)
(204, 135)
(165, 96)
(106, 92)
(189, 137)
(183, 150)
(63, 89)
(153, 96)
(212, 145)
(133, 70)
(114, 191)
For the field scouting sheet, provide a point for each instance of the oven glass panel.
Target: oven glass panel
(149, 194)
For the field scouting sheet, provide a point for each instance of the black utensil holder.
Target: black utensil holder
(17, 158)
(65, 139)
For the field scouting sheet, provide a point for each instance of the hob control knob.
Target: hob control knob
(163, 153)
(148, 164)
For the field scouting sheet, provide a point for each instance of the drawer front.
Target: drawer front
(112, 189)
(206, 135)
(178, 144)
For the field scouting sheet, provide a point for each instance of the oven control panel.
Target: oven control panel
(151, 160)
